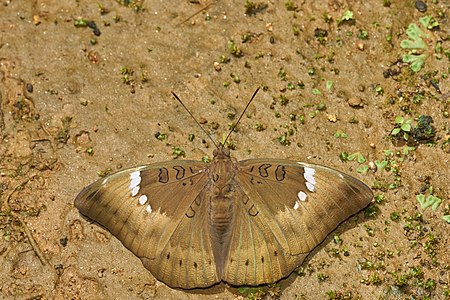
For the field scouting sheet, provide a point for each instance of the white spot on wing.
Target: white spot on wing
(309, 175)
(134, 182)
(135, 174)
(135, 191)
(296, 205)
(142, 199)
(148, 208)
(310, 186)
(302, 196)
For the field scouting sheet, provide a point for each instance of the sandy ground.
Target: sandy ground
(79, 97)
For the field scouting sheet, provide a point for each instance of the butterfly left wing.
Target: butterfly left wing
(156, 212)
(286, 209)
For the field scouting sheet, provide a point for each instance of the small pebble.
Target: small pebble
(217, 66)
(332, 118)
(360, 45)
(36, 20)
(355, 102)
(421, 6)
(29, 87)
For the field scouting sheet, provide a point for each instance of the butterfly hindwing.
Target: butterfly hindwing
(156, 212)
(287, 208)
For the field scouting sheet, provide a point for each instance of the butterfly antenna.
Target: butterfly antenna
(182, 104)
(240, 117)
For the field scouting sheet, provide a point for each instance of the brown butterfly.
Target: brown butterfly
(247, 222)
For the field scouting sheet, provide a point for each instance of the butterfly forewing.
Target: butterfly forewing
(287, 208)
(157, 212)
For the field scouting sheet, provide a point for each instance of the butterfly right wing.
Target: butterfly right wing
(155, 211)
(284, 210)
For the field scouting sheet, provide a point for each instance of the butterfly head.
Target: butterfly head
(221, 152)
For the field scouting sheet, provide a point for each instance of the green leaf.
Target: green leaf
(426, 202)
(415, 33)
(359, 157)
(446, 218)
(415, 44)
(406, 127)
(399, 120)
(347, 16)
(316, 92)
(407, 149)
(178, 152)
(395, 131)
(418, 64)
(329, 85)
(381, 164)
(417, 61)
(388, 152)
(362, 169)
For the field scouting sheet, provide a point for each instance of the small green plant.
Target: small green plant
(429, 201)
(282, 74)
(160, 136)
(252, 8)
(402, 127)
(329, 85)
(346, 17)
(416, 45)
(252, 292)
(178, 152)
(423, 132)
(283, 139)
(358, 156)
(234, 49)
(290, 5)
(340, 134)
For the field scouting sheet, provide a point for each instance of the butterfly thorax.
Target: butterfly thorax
(220, 212)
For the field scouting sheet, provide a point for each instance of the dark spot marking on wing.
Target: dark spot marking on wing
(181, 262)
(190, 213)
(280, 173)
(247, 262)
(275, 253)
(163, 175)
(263, 170)
(168, 255)
(252, 211)
(215, 177)
(195, 265)
(180, 172)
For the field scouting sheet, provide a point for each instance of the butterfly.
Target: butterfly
(248, 222)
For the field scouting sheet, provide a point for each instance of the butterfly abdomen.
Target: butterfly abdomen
(220, 220)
